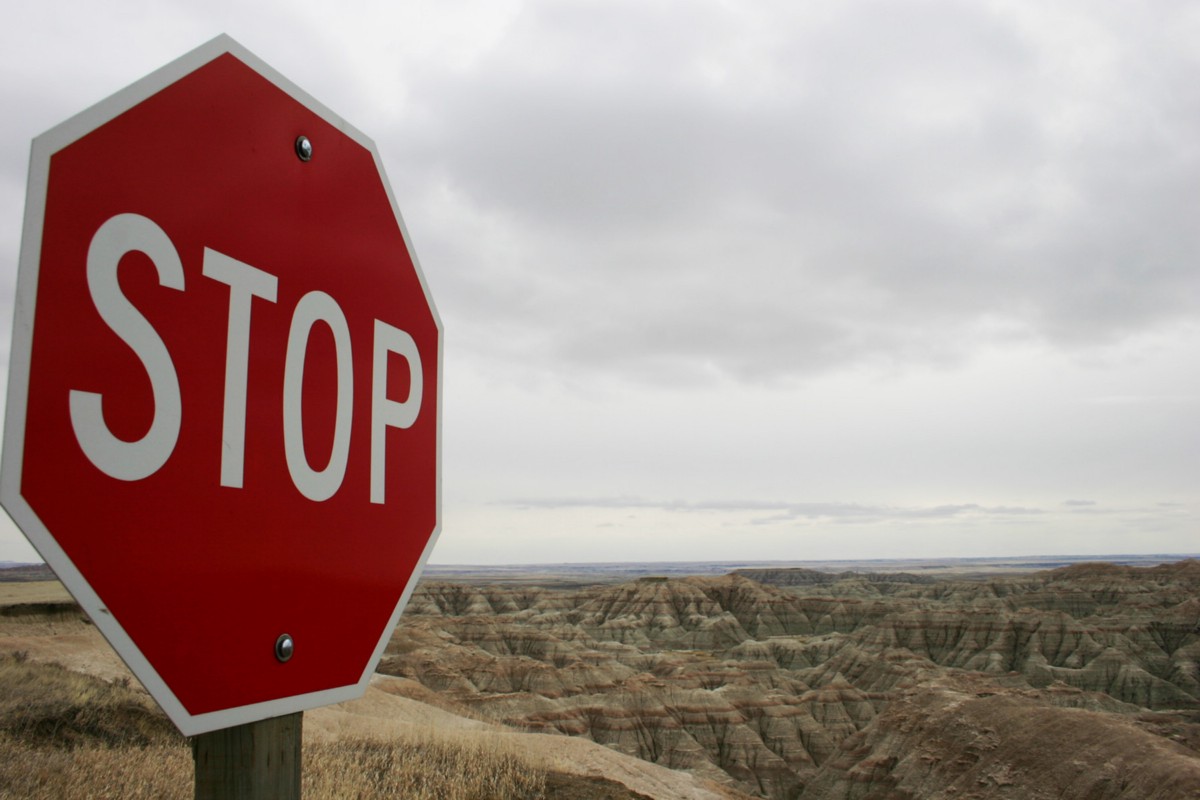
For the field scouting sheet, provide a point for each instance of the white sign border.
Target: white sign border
(14, 503)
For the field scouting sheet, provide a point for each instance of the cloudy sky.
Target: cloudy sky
(754, 280)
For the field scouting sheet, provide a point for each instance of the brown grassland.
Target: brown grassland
(64, 734)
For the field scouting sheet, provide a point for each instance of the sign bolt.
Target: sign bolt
(304, 148)
(284, 647)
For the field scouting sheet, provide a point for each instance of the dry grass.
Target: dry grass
(426, 768)
(48, 705)
(433, 769)
(63, 734)
(93, 772)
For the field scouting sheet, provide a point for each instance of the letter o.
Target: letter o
(317, 485)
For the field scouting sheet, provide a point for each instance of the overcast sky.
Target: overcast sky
(754, 280)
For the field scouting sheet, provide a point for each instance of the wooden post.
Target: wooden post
(256, 761)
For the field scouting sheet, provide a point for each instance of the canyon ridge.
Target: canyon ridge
(984, 681)
(1078, 682)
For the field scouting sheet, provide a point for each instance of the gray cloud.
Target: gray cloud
(710, 193)
(878, 250)
(779, 511)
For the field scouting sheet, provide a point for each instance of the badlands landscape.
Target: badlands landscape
(897, 681)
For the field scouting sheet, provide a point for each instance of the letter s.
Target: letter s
(131, 461)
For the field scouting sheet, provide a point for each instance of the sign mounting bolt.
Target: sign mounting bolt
(304, 148)
(284, 648)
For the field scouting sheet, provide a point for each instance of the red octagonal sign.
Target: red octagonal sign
(224, 392)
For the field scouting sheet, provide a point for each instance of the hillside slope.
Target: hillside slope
(67, 702)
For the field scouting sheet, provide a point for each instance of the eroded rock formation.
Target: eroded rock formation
(846, 687)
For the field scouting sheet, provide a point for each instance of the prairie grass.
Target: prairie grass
(416, 769)
(431, 767)
(47, 704)
(67, 735)
(94, 772)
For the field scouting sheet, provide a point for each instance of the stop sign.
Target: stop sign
(224, 394)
